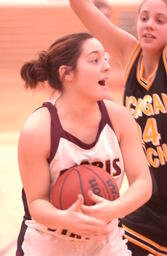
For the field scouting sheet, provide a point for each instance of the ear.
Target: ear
(65, 73)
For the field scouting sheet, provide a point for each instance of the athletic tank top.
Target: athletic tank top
(147, 102)
(67, 151)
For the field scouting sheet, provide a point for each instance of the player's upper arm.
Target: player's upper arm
(115, 40)
(135, 162)
(33, 151)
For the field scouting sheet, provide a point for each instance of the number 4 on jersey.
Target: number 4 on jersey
(150, 133)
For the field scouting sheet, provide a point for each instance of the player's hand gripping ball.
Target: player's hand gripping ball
(79, 180)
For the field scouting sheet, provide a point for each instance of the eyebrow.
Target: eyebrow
(161, 14)
(93, 52)
(158, 13)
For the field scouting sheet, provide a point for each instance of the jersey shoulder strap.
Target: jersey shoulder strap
(131, 59)
(105, 116)
(55, 129)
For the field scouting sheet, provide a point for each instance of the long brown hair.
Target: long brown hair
(64, 51)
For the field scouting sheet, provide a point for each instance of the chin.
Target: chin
(149, 46)
(106, 96)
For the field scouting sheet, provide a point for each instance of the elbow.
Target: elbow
(148, 195)
(148, 190)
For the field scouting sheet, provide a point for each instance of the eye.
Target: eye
(160, 21)
(144, 17)
(95, 61)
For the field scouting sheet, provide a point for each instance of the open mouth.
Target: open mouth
(148, 36)
(102, 82)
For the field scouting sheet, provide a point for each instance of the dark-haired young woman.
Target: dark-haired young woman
(81, 125)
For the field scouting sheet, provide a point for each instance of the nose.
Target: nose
(150, 24)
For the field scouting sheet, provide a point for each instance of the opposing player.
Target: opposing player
(144, 62)
(80, 126)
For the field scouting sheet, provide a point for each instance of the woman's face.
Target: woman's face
(92, 71)
(152, 25)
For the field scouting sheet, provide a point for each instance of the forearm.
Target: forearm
(71, 219)
(115, 40)
(138, 194)
(84, 9)
(78, 6)
(46, 214)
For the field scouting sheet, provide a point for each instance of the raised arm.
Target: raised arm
(115, 40)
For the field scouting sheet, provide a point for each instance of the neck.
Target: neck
(78, 109)
(151, 62)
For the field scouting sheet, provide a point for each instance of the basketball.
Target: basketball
(79, 180)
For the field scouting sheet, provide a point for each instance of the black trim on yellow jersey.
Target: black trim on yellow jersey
(144, 242)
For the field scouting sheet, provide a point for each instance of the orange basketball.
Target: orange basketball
(79, 180)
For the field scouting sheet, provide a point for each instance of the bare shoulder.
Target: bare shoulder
(120, 117)
(116, 110)
(37, 122)
(35, 132)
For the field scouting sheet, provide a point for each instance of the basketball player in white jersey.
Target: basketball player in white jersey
(82, 125)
